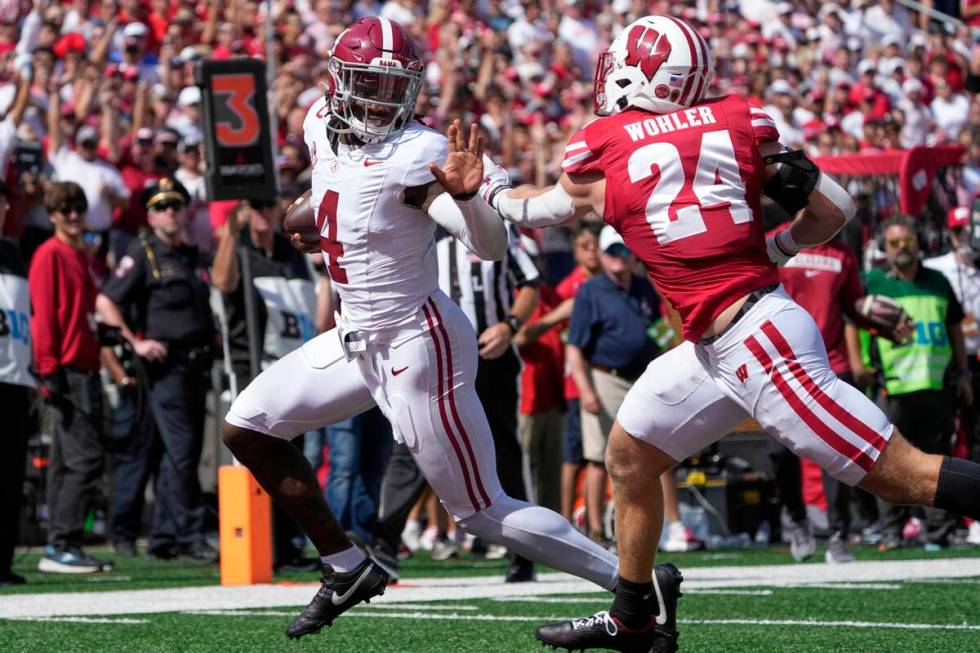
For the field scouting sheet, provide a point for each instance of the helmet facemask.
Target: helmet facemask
(371, 101)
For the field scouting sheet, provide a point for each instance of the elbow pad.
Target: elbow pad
(796, 177)
(550, 208)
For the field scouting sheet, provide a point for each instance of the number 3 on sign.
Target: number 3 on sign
(715, 163)
(238, 94)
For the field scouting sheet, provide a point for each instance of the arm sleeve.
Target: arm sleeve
(473, 222)
(763, 126)
(45, 331)
(127, 278)
(520, 265)
(582, 154)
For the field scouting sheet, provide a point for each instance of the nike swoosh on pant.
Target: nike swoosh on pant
(338, 599)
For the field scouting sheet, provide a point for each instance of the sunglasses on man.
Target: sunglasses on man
(166, 205)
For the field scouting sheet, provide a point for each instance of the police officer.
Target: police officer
(158, 285)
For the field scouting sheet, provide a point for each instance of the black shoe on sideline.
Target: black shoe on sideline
(199, 552)
(124, 548)
(10, 578)
(298, 564)
(521, 570)
(603, 631)
(337, 594)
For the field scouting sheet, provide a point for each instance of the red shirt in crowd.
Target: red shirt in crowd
(63, 301)
(544, 363)
(133, 217)
(567, 289)
(824, 280)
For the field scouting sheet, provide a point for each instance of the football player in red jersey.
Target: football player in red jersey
(681, 178)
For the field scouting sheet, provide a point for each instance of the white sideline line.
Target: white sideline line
(130, 602)
(730, 592)
(87, 620)
(427, 616)
(848, 586)
(825, 624)
(108, 579)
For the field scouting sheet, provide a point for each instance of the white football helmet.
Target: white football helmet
(657, 63)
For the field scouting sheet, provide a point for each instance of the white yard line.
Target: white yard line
(429, 616)
(87, 620)
(418, 590)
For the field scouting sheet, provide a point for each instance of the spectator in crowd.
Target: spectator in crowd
(104, 187)
(951, 110)
(608, 348)
(66, 355)
(138, 168)
(918, 400)
(158, 283)
(16, 384)
(191, 175)
(959, 266)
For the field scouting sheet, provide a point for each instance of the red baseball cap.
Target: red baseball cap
(72, 42)
(958, 216)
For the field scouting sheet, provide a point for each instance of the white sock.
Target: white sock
(345, 561)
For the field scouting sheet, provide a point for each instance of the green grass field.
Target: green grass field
(735, 601)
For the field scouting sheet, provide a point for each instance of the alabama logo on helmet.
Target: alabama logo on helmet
(658, 63)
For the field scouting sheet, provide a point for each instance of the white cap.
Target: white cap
(134, 30)
(780, 87)
(609, 237)
(620, 6)
(912, 85)
(828, 8)
(189, 95)
(785, 8)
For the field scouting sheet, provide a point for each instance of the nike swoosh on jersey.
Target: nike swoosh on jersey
(368, 163)
(395, 372)
(338, 599)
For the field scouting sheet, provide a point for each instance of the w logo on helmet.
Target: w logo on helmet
(646, 49)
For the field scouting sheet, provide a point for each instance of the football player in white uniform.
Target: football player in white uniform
(399, 342)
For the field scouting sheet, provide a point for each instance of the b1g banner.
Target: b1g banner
(237, 138)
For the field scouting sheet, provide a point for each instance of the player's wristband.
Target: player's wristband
(464, 197)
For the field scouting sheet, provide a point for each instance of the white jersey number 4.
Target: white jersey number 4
(716, 182)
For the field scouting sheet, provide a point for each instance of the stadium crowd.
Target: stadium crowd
(101, 93)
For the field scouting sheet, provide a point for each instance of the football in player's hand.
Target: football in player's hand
(886, 317)
(301, 219)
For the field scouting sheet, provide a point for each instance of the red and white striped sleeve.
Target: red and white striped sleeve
(579, 155)
(763, 126)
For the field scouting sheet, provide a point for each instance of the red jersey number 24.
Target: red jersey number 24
(717, 183)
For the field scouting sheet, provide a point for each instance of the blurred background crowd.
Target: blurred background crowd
(101, 93)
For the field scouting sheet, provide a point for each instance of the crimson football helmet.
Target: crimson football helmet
(375, 76)
(658, 63)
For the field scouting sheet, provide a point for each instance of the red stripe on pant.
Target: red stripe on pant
(861, 429)
(824, 432)
(445, 417)
(452, 405)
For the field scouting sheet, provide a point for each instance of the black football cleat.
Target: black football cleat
(604, 631)
(337, 594)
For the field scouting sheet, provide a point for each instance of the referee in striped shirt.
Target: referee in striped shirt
(497, 298)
